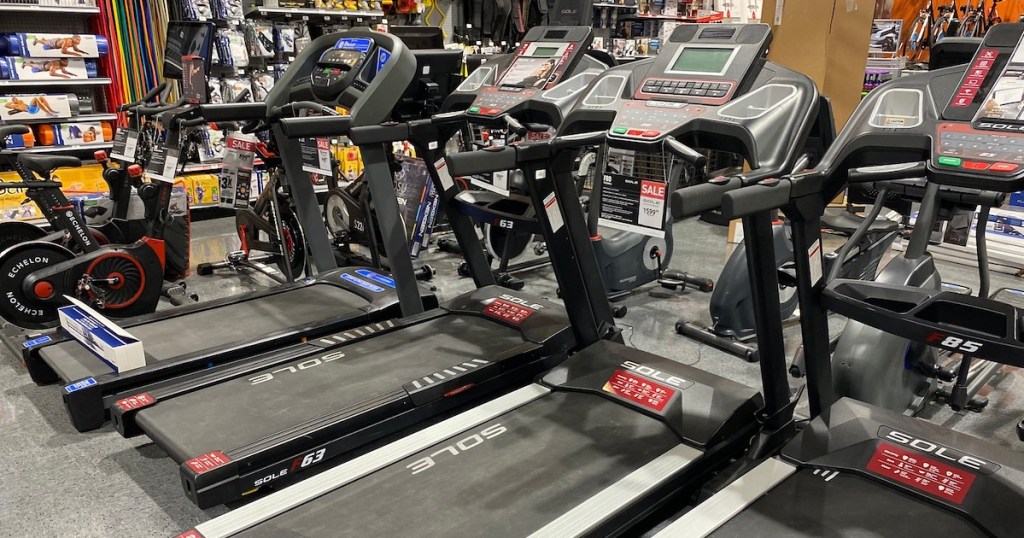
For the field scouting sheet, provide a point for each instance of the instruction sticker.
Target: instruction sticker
(909, 468)
(636, 389)
(814, 256)
(498, 182)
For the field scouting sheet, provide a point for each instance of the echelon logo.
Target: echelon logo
(940, 451)
(457, 448)
(304, 365)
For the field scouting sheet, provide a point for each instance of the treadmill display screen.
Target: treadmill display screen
(529, 72)
(702, 60)
(546, 51)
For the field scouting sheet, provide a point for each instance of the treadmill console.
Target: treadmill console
(966, 121)
(361, 70)
(547, 56)
(757, 109)
(707, 64)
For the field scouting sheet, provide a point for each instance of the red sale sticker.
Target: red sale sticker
(924, 474)
(137, 401)
(506, 311)
(208, 462)
(639, 390)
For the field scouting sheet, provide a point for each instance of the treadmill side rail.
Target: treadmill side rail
(731, 500)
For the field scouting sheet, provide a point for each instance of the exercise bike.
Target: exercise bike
(119, 280)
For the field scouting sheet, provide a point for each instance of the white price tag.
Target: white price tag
(170, 166)
(442, 172)
(652, 204)
(500, 180)
(814, 256)
(323, 149)
(554, 212)
(131, 146)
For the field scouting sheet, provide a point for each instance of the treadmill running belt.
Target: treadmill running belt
(537, 462)
(245, 410)
(806, 504)
(208, 329)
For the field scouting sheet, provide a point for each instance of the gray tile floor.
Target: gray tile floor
(57, 482)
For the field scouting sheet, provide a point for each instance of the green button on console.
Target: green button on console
(619, 130)
(474, 109)
(949, 161)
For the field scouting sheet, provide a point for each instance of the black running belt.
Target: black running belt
(842, 506)
(209, 329)
(246, 410)
(550, 456)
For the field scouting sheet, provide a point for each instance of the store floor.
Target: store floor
(55, 481)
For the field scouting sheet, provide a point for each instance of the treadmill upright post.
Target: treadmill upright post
(382, 191)
(576, 268)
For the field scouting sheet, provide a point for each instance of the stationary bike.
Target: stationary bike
(119, 280)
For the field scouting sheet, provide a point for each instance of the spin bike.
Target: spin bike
(119, 280)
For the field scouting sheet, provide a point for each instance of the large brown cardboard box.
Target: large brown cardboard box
(826, 40)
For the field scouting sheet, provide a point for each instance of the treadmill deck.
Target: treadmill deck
(215, 327)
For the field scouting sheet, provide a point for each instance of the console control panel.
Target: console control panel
(495, 101)
(650, 119)
(959, 146)
(710, 91)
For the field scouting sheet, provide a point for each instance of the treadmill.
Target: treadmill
(603, 439)
(185, 340)
(266, 421)
(859, 470)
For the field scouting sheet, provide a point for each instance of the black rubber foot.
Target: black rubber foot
(619, 311)
(204, 269)
(464, 270)
(1020, 430)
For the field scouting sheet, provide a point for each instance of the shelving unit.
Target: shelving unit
(83, 117)
(73, 148)
(16, 8)
(311, 14)
(54, 83)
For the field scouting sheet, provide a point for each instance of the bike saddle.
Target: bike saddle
(845, 222)
(44, 165)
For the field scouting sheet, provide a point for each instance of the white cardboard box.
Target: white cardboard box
(112, 344)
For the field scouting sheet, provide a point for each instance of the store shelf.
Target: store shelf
(85, 117)
(64, 149)
(56, 82)
(658, 18)
(285, 13)
(612, 4)
(84, 10)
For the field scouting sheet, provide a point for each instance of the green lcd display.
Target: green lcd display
(545, 51)
(702, 60)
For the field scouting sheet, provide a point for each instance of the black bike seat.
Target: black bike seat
(8, 130)
(845, 222)
(44, 165)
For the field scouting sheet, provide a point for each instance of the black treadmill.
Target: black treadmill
(189, 339)
(601, 440)
(855, 469)
(266, 421)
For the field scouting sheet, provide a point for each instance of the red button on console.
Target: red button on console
(1003, 167)
(650, 134)
(634, 132)
(975, 165)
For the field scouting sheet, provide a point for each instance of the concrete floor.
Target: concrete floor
(57, 482)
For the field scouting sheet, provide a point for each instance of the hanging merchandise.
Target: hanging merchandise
(262, 83)
(136, 32)
(260, 37)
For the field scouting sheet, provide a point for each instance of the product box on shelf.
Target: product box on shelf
(18, 68)
(204, 189)
(37, 45)
(15, 108)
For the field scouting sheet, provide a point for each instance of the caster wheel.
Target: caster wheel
(619, 312)
(464, 270)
